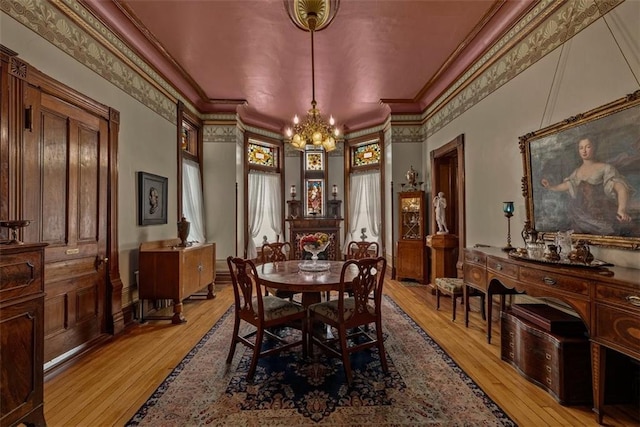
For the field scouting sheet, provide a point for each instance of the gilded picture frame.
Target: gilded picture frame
(152, 199)
(583, 174)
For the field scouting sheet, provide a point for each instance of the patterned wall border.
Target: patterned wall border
(219, 133)
(407, 133)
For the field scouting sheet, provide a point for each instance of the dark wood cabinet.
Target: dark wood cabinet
(411, 241)
(558, 363)
(22, 334)
(169, 271)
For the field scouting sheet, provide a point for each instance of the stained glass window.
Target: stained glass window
(315, 196)
(314, 161)
(262, 155)
(366, 154)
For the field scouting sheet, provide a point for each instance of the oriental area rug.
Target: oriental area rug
(424, 386)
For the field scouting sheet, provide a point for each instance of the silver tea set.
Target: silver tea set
(561, 250)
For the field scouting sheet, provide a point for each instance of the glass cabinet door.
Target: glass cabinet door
(411, 222)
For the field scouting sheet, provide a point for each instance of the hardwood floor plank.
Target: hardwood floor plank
(108, 385)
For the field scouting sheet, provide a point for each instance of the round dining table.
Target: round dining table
(290, 276)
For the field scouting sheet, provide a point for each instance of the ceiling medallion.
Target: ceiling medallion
(322, 12)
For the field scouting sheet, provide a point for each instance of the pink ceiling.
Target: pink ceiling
(403, 53)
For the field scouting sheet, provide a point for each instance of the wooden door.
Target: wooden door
(65, 194)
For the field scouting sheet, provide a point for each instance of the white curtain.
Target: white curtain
(364, 207)
(265, 207)
(192, 202)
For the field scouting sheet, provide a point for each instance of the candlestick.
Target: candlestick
(292, 191)
(334, 191)
(508, 209)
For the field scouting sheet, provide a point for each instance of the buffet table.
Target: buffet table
(607, 299)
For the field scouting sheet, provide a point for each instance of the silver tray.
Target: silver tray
(596, 263)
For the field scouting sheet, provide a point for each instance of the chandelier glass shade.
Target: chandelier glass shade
(313, 129)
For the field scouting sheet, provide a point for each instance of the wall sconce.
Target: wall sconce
(292, 191)
(334, 191)
(507, 208)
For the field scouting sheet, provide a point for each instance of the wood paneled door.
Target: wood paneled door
(65, 195)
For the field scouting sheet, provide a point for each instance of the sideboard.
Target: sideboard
(606, 299)
(22, 334)
(169, 271)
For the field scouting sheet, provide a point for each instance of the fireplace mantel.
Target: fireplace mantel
(299, 227)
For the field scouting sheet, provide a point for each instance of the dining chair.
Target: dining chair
(274, 252)
(348, 314)
(263, 312)
(359, 250)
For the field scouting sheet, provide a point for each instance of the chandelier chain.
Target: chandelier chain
(313, 129)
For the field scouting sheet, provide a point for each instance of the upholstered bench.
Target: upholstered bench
(453, 287)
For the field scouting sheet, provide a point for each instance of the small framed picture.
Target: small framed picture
(152, 199)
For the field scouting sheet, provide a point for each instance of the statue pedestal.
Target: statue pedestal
(444, 257)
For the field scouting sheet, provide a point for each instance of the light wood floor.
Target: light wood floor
(106, 387)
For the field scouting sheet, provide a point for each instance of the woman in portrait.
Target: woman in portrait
(598, 194)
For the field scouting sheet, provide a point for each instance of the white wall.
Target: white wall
(590, 71)
(219, 180)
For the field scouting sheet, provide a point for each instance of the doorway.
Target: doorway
(447, 175)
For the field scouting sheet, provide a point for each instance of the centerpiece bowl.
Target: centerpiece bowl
(314, 244)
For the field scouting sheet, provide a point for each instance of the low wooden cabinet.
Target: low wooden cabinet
(557, 363)
(22, 334)
(169, 271)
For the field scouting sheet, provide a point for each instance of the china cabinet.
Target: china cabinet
(411, 240)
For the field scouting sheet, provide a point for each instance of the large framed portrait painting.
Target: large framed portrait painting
(583, 174)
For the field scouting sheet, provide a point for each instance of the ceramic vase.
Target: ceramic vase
(183, 231)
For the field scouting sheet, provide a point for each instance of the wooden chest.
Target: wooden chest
(551, 319)
(558, 364)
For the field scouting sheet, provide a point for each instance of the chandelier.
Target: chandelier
(312, 15)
